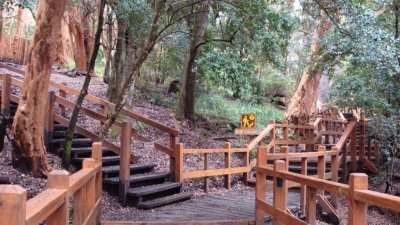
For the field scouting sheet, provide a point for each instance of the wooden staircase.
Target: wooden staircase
(147, 189)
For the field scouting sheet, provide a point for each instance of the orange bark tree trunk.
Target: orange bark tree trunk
(306, 94)
(28, 126)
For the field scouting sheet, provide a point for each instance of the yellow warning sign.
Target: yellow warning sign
(248, 120)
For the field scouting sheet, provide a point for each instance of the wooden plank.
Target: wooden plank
(357, 209)
(293, 142)
(378, 199)
(293, 126)
(227, 158)
(79, 179)
(327, 207)
(278, 214)
(12, 205)
(164, 149)
(215, 172)
(260, 185)
(280, 189)
(311, 208)
(124, 162)
(179, 174)
(346, 134)
(59, 179)
(211, 151)
(44, 204)
(308, 180)
(93, 214)
(262, 135)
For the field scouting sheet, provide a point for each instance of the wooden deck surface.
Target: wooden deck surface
(231, 206)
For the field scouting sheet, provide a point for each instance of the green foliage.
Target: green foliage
(366, 49)
(217, 107)
(227, 69)
(139, 125)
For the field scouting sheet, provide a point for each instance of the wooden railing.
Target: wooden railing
(52, 205)
(61, 100)
(357, 193)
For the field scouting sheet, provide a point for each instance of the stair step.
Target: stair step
(105, 160)
(59, 127)
(164, 201)
(75, 141)
(137, 180)
(58, 134)
(151, 190)
(87, 150)
(135, 168)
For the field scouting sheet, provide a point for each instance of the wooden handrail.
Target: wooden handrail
(99, 101)
(52, 205)
(346, 135)
(262, 135)
(40, 207)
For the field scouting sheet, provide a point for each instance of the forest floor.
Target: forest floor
(206, 134)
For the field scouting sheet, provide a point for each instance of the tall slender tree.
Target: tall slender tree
(187, 95)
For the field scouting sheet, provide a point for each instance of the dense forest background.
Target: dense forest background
(211, 60)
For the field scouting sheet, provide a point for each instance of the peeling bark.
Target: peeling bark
(301, 105)
(28, 126)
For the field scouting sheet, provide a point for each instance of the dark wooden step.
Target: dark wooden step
(154, 189)
(134, 168)
(59, 134)
(60, 127)
(164, 201)
(76, 141)
(140, 179)
(106, 161)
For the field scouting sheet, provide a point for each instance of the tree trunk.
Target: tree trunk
(78, 44)
(84, 91)
(187, 95)
(108, 46)
(28, 126)
(306, 94)
(139, 58)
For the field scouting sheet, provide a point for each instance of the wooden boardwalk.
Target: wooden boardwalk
(231, 206)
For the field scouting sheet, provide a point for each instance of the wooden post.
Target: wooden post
(285, 131)
(272, 134)
(311, 206)
(97, 155)
(361, 139)
(90, 188)
(335, 174)
(179, 163)
(6, 95)
(5, 107)
(227, 155)
(327, 129)
(321, 166)
(320, 130)
(334, 129)
(285, 150)
(353, 147)
(260, 184)
(246, 161)
(124, 163)
(344, 163)
(303, 187)
(206, 180)
(280, 189)
(49, 128)
(173, 142)
(63, 94)
(59, 179)
(357, 210)
(12, 205)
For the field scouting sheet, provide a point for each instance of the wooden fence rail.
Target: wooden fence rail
(61, 100)
(312, 190)
(52, 205)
